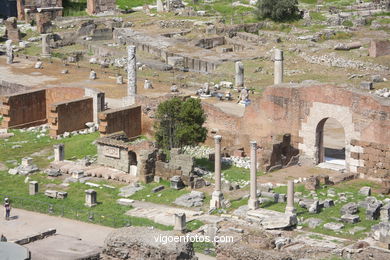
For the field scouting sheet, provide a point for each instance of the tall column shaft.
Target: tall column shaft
(239, 77)
(278, 71)
(217, 167)
(131, 71)
(253, 203)
(290, 197)
(45, 45)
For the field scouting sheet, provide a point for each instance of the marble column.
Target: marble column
(46, 46)
(217, 196)
(290, 198)
(239, 77)
(9, 52)
(59, 152)
(278, 71)
(253, 203)
(131, 73)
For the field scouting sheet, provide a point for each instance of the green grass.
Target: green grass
(107, 212)
(194, 225)
(75, 8)
(200, 247)
(317, 16)
(168, 195)
(127, 4)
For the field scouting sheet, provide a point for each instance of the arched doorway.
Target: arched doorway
(330, 143)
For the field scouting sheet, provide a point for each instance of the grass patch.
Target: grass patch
(194, 225)
(201, 247)
(317, 16)
(75, 8)
(166, 196)
(127, 4)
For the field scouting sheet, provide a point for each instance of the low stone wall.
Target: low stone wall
(24, 109)
(126, 119)
(70, 115)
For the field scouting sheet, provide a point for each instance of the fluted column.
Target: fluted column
(217, 196)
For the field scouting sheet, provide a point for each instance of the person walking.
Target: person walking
(7, 206)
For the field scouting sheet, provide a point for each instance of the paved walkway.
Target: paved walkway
(26, 223)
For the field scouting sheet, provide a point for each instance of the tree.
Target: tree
(277, 10)
(180, 123)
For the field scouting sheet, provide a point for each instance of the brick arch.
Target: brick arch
(309, 130)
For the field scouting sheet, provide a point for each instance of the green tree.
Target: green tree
(277, 10)
(180, 123)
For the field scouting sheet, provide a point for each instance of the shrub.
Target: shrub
(277, 10)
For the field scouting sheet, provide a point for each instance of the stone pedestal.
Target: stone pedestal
(46, 46)
(131, 72)
(27, 161)
(217, 196)
(92, 75)
(290, 209)
(59, 152)
(253, 203)
(278, 71)
(180, 222)
(90, 198)
(33, 187)
(239, 78)
(77, 174)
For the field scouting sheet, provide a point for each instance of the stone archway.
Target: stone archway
(330, 147)
(311, 131)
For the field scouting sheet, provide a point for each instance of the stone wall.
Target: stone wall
(379, 48)
(126, 119)
(61, 94)
(70, 115)
(24, 109)
(99, 6)
(299, 110)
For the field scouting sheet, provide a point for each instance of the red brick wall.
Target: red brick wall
(24, 109)
(126, 119)
(62, 94)
(70, 116)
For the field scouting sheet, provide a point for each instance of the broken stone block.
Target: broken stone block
(313, 222)
(77, 174)
(327, 203)
(199, 183)
(314, 207)
(273, 196)
(51, 193)
(366, 85)
(282, 198)
(385, 213)
(312, 183)
(381, 232)
(373, 211)
(38, 65)
(158, 188)
(365, 191)
(177, 183)
(193, 199)
(53, 172)
(62, 195)
(349, 208)
(350, 218)
(334, 226)
(125, 202)
(270, 219)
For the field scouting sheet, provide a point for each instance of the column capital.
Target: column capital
(217, 138)
(253, 144)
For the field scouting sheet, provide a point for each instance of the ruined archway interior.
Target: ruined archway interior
(332, 144)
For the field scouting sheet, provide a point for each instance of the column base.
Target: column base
(290, 210)
(46, 55)
(253, 204)
(216, 200)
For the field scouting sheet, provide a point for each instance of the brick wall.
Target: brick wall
(24, 109)
(98, 6)
(62, 94)
(70, 116)
(126, 119)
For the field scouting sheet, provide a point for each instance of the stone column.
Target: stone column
(20, 8)
(180, 222)
(217, 196)
(59, 152)
(160, 6)
(131, 73)
(290, 198)
(46, 45)
(33, 187)
(253, 203)
(10, 52)
(239, 78)
(90, 198)
(278, 71)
